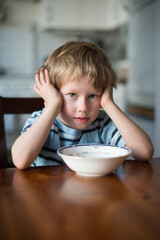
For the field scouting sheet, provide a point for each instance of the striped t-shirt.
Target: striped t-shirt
(102, 130)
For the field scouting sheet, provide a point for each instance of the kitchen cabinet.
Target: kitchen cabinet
(103, 14)
(116, 14)
(59, 14)
(81, 15)
(94, 14)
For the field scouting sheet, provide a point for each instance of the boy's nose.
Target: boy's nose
(82, 105)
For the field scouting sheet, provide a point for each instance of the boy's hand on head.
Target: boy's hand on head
(107, 96)
(45, 89)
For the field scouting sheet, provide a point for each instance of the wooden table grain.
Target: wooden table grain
(54, 203)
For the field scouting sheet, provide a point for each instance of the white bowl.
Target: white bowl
(93, 160)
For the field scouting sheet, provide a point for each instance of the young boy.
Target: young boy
(76, 84)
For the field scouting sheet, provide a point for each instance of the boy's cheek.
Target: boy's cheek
(64, 98)
(65, 107)
(99, 103)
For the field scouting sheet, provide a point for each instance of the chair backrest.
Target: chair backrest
(14, 106)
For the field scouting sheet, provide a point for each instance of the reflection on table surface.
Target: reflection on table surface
(55, 203)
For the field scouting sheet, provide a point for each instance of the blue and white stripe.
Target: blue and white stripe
(102, 130)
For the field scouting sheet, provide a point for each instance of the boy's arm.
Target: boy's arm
(27, 146)
(135, 138)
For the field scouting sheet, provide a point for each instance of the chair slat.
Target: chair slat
(14, 106)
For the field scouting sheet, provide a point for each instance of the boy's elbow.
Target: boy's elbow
(18, 164)
(17, 160)
(148, 153)
(145, 153)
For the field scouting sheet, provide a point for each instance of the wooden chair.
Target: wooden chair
(14, 106)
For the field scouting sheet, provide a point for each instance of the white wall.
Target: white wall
(144, 61)
(142, 37)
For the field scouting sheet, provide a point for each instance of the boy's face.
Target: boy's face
(81, 103)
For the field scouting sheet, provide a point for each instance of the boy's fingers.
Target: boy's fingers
(39, 69)
(47, 77)
(36, 89)
(42, 76)
(37, 78)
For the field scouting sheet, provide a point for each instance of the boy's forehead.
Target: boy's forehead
(71, 83)
(74, 80)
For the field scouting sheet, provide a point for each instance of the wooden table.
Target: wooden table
(54, 203)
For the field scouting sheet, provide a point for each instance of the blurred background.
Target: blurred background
(127, 30)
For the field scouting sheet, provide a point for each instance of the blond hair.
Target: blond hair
(75, 59)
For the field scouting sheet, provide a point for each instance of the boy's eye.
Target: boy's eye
(92, 96)
(72, 95)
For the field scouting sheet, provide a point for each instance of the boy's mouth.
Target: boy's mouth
(81, 119)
